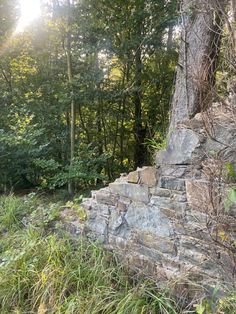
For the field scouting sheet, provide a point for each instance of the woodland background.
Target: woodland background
(85, 90)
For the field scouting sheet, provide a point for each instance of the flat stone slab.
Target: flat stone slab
(172, 183)
(133, 177)
(181, 145)
(135, 192)
(149, 219)
(160, 192)
(145, 175)
(104, 196)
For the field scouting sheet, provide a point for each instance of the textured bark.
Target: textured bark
(170, 41)
(233, 9)
(139, 130)
(199, 47)
(72, 108)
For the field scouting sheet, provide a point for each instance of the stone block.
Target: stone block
(145, 175)
(194, 251)
(97, 223)
(155, 255)
(177, 208)
(170, 213)
(177, 171)
(172, 183)
(181, 146)
(152, 241)
(160, 192)
(115, 221)
(179, 197)
(161, 201)
(148, 176)
(133, 177)
(135, 192)
(150, 219)
(104, 196)
(123, 203)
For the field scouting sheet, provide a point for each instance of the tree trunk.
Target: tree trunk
(170, 36)
(197, 60)
(233, 9)
(139, 131)
(70, 80)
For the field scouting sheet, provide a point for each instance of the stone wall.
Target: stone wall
(170, 221)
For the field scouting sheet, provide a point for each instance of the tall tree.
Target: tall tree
(199, 48)
(70, 80)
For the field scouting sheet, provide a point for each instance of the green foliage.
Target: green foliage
(230, 198)
(78, 209)
(230, 171)
(12, 210)
(84, 171)
(35, 94)
(227, 305)
(44, 272)
(156, 144)
(224, 305)
(231, 194)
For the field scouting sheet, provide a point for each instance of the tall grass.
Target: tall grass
(45, 272)
(42, 272)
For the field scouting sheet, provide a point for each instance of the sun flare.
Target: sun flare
(30, 10)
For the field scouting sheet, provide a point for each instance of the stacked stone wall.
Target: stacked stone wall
(170, 221)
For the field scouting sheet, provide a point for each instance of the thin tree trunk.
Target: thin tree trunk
(139, 131)
(233, 9)
(123, 108)
(83, 126)
(72, 109)
(122, 132)
(170, 37)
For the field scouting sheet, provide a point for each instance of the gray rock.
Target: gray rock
(148, 176)
(160, 192)
(179, 197)
(123, 203)
(161, 202)
(177, 171)
(146, 218)
(152, 241)
(133, 177)
(115, 220)
(145, 175)
(135, 192)
(104, 196)
(181, 146)
(172, 183)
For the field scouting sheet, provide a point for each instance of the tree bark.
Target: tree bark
(170, 35)
(139, 131)
(233, 9)
(197, 59)
(72, 109)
